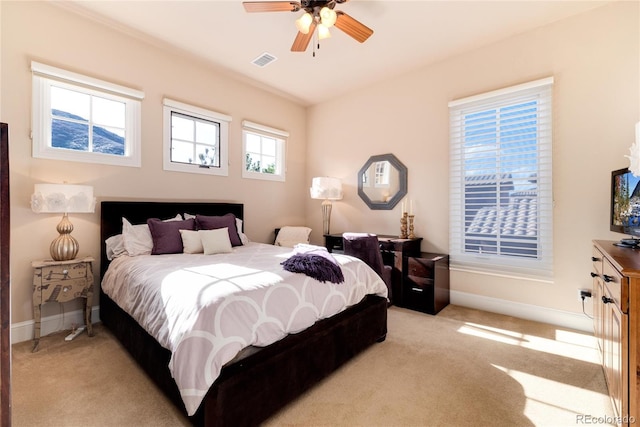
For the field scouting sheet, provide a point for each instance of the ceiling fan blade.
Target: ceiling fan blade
(302, 40)
(271, 6)
(352, 27)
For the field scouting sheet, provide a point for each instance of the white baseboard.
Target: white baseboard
(23, 331)
(537, 313)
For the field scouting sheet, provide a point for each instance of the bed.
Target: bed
(261, 379)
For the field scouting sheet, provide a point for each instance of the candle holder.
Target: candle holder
(403, 226)
(411, 234)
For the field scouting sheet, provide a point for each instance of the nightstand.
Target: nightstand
(62, 281)
(333, 242)
(426, 287)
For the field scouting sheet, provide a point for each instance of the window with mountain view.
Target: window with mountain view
(83, 119)
(501, 200)
(264, 152)
(195, 139)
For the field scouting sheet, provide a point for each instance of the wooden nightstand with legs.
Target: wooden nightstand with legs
(62, 281)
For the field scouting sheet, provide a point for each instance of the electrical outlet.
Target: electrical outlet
(584, 293)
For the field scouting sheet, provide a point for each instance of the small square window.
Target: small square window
(195, 139)
(264, 152)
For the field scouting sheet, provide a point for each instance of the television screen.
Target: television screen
(625, 202)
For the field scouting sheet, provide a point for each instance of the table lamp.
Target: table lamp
(327, 189)
(65, 199)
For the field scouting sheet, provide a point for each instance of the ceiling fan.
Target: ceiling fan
(318, 15)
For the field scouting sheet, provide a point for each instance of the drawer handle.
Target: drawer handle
(417, 289)
(607, 278)
(65, 275)
(606, 300)
(594, 259)
(594, 274)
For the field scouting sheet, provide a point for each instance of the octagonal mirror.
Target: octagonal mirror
(382, 182)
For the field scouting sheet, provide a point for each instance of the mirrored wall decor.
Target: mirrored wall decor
(382, 182)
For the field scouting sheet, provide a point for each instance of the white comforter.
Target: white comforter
(206, 308)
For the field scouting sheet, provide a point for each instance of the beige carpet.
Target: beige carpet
(461, 367)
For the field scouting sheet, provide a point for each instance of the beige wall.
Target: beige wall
(51, 35)
(594, 59)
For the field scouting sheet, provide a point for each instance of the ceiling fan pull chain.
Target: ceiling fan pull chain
(315, 42)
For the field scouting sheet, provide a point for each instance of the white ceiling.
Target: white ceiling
(407, 35)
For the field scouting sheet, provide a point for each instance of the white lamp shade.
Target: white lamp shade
(323, 32)
(328, 17)
(63, 198)
(304, 22)
(326, 188)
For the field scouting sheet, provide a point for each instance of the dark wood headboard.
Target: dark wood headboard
(138, 213)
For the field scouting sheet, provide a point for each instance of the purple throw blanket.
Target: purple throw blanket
(315, 262)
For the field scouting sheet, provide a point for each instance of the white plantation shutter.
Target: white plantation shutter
(500, 185)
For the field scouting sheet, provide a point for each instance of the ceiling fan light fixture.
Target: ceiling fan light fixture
(304, 22)
(323, 32)
(328, 17)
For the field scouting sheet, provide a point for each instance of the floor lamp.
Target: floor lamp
(326, 189)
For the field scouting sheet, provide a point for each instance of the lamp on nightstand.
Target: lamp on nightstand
(326, 189)
(65, 199)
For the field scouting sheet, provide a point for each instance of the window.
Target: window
(264, 152)
(79, 118)
(382, 174)
(501, 194)
(195, 139)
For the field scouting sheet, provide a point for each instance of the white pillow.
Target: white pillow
(243, 237)
(215, 241)
(137, 238)
(115, 246)
(291, 236)
(191, 242)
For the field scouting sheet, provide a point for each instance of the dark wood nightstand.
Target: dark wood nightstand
(333, 242)
(62, 281)
(426, 287)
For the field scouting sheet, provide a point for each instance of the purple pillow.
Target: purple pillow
(166, 235)
(204, 222)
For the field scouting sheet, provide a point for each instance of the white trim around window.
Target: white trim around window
(50, 86)
(501, 200)
(263, 144)
(214, 137)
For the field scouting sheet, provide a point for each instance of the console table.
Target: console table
(395, 252)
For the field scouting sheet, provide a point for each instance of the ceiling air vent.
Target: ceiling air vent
(264, 60)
